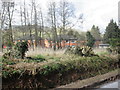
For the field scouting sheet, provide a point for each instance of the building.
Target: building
(63, 41)
(31, 40)
(119, 14)
(104, 45)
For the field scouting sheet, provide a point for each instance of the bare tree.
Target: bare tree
(29, 21)
(0, 34)
(2, 21)
(25, 17)
(65, 12)
(30, 27)
(35, 23)
(7, 18)
(21, 16)
(41, 22)
(10, 16)
(52, 15)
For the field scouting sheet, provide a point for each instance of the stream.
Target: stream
(114, 84)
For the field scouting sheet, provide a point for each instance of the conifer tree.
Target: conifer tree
(112, 31)
(90, 39)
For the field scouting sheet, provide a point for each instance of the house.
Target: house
(97, 43)
(104, 45)
(31, 40)
(63, 41)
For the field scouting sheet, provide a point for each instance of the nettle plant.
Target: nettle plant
(21, 48)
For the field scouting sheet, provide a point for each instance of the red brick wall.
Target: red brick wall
(97, 43)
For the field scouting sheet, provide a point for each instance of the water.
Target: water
(112, 85)
(115, 84)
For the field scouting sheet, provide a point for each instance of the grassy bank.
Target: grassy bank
(51, 71)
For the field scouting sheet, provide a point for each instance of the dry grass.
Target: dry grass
(51, 52)
(100, 50)
(1, 54)
(30, 66)
(45, 51)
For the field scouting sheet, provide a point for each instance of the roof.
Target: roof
(103, 44)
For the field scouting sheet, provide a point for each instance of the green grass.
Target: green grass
(58, 67)
(103, 53)
(65, 63)
(37, 58)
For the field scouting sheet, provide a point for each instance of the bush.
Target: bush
(113, 50)
(21, 48)
(81, 51)
(115, 45)
(17, 51)
(9, 54)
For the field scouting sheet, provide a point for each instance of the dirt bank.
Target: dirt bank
(93, 80)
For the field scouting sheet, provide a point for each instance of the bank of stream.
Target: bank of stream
(56, 73)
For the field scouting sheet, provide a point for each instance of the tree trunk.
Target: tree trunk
(0, 40)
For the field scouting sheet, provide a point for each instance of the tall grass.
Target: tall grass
(45, 51)
(100, 51)
(68, 62)
(55, 68)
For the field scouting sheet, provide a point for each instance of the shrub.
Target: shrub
(9, 54)
(114, 50)
(17, 51)
(21, 48)
(109, 50)
(115, 45)
(81, 51)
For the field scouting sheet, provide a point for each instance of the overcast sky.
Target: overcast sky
(97, 12)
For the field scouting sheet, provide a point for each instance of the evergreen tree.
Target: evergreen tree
(96, 32)
(90, 39)
(112, 31)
